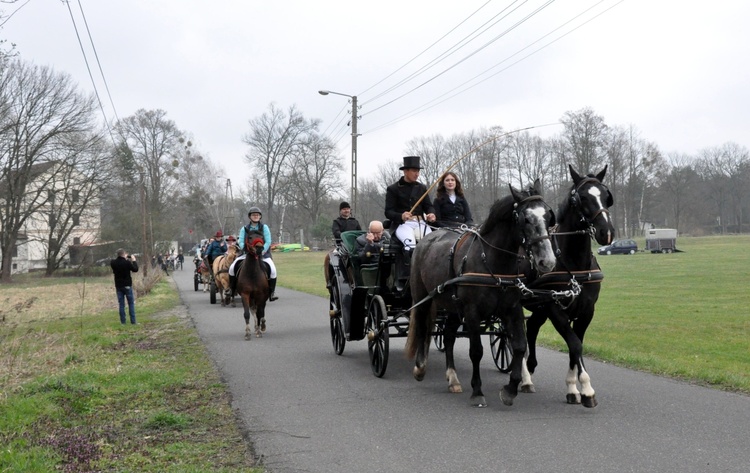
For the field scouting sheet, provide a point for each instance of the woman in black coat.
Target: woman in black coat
(451, 207)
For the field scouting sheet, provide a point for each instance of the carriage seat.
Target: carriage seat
(365, 274)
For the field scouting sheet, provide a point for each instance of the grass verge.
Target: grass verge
(80, 392)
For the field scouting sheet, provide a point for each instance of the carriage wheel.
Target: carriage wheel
(337, 327)
(212, 290)
(438, 338)
(377, 336)
(196, 281)
(502, 352)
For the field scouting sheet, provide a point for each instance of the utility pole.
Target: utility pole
(353, 196)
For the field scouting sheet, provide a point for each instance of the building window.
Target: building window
(75, 196)
(15, 250)
(76, 220)
(76, 240)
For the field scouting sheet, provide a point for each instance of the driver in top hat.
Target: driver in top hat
(400, 197)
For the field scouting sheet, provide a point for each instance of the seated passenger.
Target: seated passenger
(371, 244)
(451, 207)
(400, 197)
(345, 222)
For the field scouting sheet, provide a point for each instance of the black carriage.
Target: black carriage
(367, 301)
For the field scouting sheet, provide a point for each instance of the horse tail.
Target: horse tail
(411, 341)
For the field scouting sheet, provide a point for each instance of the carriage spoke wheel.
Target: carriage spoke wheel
(377, 336)
(502, 352)
(337, 327)
(438, 337)
(212, 292)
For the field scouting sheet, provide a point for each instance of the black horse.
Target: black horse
(252, 286)
(583, 215)
(476, 276)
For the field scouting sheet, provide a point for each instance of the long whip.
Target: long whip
(490, 140)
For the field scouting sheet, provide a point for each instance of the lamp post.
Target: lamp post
(354, 144)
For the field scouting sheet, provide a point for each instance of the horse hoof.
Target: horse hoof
(248, 336)
(588, 401)
(455, 388)
(418, 373)
(573, 398)
(263, 325)
(528, 388)
(478, 401)
(506, 397)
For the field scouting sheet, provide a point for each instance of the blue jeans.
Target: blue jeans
(122, 293)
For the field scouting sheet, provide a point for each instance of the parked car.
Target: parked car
(619, 247)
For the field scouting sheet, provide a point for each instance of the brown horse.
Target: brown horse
(252, 287)
(221, 275)
(205, 274)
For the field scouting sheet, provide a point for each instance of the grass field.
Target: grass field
(685, 315)
(80, 392)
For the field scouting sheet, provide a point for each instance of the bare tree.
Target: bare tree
(584, 134)
(677, 189)
(274, 139)
(41, 109)
(149, 153)
(74, 204)
(314, 175)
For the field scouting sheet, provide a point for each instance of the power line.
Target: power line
(465, 58)
(96, 55)
(85, 59)
(420, 54)
(436, 101)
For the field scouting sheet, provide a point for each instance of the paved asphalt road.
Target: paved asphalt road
(309, 410)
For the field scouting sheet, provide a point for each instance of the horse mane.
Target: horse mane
(501, 211)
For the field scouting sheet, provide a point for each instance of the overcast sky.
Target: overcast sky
(677, 70)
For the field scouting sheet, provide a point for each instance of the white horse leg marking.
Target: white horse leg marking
(527, 385)
(248, 332)
(585, 379)
(572, 396)
(454, 385)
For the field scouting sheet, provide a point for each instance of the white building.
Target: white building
(63, 204)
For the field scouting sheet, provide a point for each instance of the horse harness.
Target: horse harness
(488, 279)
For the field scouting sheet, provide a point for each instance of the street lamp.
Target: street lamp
(354, 143)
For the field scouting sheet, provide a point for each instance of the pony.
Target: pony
(221, 274)
(205, 274)
(475, 275)
(581, 216)
(252, 286)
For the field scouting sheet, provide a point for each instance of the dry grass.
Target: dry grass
(30, 317)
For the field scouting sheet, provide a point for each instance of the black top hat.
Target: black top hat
(410, 162)
(344, 205)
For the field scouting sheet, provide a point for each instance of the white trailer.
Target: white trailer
(661, 240)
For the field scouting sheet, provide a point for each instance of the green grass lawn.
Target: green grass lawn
(80, 392)
(684, 315)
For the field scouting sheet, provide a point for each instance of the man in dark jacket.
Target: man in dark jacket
(400, 197)
(372, 243)
(345, 222)
(122, 266)
(217, 247)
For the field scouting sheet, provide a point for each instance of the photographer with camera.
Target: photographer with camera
(122, 266)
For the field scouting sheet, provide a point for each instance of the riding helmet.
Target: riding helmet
(254, 210)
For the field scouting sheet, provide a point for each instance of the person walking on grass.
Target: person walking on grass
(122, 266)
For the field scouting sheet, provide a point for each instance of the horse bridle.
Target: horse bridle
(575, 200)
